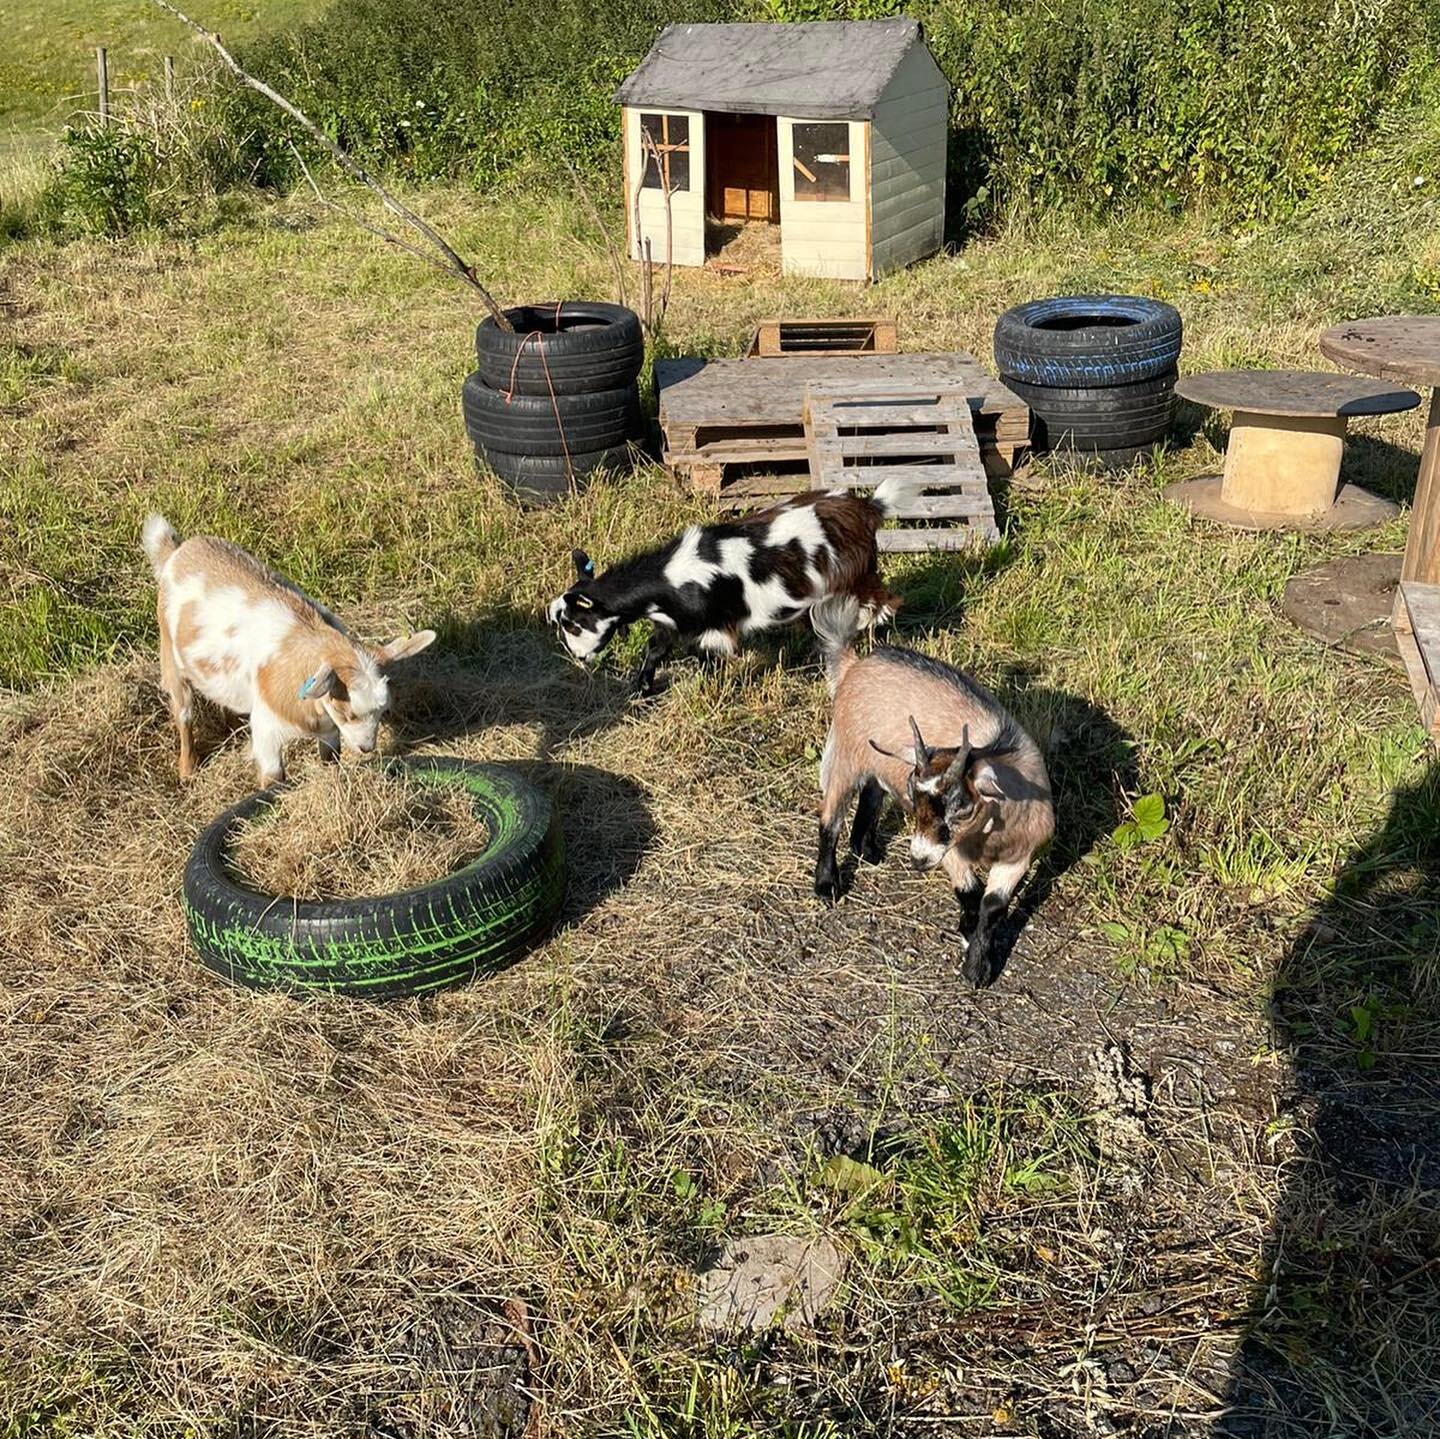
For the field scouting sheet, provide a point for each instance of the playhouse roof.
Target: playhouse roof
(825, 70)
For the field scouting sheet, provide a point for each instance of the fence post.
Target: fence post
(102, 77)
(169, 79)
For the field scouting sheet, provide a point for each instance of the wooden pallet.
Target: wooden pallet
(823, 337)
(723, 419)
(859, 434)
(1417, 634)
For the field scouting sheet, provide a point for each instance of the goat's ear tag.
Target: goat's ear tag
(307, 687)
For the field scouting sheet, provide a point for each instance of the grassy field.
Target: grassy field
(1175, 1174)
(47, 63)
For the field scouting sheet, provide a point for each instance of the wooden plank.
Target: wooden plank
(1424, 692)
(1422, 547)
(944, 507)
(923, 477)
(912, 542)
(768, 485)
(698, 392)
(880, 413)
(951, 480)
(907, 443)
(1422, 615)
(742, 452)
(1417, 635)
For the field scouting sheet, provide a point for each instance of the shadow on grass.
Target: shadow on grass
(607, 825)
(1387, 470)
(1091, 762)
(505, 669)
(1343, 1336)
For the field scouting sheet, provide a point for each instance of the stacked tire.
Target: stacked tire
(556, 399)
(1097, 371)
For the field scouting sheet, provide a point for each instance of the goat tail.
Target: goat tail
(158, 536)
(836, 620)
(890, 494)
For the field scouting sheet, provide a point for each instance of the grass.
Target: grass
(47, 71)
(1123, 1186)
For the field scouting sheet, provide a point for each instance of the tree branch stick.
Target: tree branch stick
(453, 263)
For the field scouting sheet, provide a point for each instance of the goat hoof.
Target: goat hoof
(827, 890)
(868, 853)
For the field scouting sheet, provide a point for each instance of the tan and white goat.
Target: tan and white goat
(252, 643)
(979, 800)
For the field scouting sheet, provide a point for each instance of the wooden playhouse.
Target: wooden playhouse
(834, 131)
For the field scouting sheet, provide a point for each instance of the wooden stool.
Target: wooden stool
(1282, 463)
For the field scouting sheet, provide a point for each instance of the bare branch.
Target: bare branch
(655, 320)
(364, 224)
(453, 265)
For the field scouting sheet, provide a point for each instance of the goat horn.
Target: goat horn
(962, 758)
(922, 751)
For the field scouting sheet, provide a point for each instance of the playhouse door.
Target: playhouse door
(665, 183)
(742, 176)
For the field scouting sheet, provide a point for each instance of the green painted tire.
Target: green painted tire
(469, 923)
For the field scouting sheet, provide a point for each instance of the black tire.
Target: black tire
(574, 348)
(545, 479)
(469, 923)
(1120, 417)
(1113, 461)
(528, 424)
(1088, 340)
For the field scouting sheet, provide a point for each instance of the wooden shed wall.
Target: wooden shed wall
(687, 207)
(825, 237)
(907, 164)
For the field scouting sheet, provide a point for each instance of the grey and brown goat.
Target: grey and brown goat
(971, 780)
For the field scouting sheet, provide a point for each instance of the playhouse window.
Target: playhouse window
(670, 136)
(822, 162)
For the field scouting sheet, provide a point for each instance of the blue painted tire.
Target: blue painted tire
(1088, 341)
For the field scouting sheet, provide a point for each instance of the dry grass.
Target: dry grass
(224, 1213)
(352, 831)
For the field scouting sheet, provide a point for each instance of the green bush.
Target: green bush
(159, 162)
(443, 88)
(1246, 105)
(104, 182)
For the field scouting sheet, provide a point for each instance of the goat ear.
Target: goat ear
(404, 647)
(907, 755)
(584, 565)
(985, 780)
(318, 685)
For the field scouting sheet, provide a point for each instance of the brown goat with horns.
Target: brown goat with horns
(978, 801)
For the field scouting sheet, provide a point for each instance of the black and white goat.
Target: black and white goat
(714, 583)
(978, 800)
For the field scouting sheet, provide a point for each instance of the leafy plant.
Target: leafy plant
(1147, 822)
(1147, 950)
(1248, 104)
(104, 181)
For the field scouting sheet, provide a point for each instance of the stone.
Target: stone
(763, 1279)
